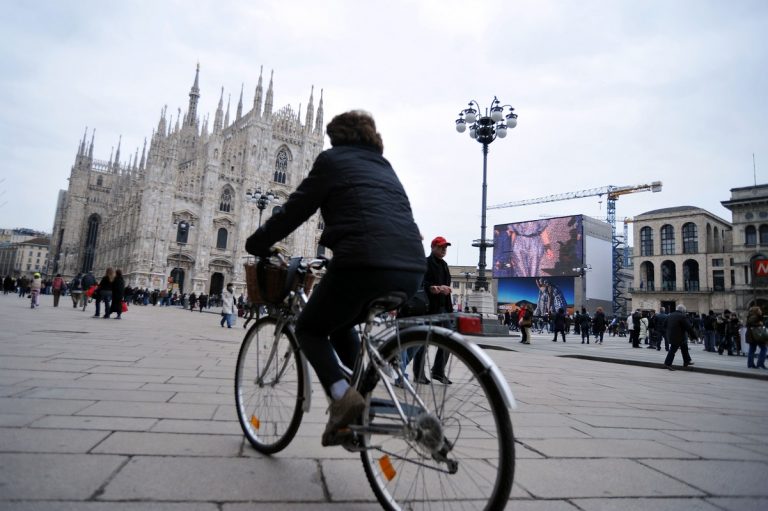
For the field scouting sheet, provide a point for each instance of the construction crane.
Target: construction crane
(612, 193)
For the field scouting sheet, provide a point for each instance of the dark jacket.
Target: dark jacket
(88, 280)
(118, 291)
(367, 215)
(437, 274)
(559, 321)
(677, 326)
(598, 322)
(105, 284)
(754, 320)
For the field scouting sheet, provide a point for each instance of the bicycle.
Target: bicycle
(421, 445)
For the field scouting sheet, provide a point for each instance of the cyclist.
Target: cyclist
(376, 248)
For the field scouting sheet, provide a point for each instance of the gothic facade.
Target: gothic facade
(180, 213)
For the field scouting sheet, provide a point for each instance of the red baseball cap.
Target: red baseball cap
(440, 241)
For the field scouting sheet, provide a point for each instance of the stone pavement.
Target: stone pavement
(138, 414)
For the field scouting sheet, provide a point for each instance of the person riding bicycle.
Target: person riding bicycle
(376, 248)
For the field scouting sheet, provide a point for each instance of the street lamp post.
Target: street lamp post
(467, 275)
(261, 199)
(485, 129)
(581, 271)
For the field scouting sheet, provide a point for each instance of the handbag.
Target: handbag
(759, 334)
(124, 306)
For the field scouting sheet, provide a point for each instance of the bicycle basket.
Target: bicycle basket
(269, 284)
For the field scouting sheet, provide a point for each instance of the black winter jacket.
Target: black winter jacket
(437, 274)
(367, 215)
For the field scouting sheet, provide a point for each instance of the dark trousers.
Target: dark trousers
(673, 350)
(340, 301)
(562, 332)
(634, 336)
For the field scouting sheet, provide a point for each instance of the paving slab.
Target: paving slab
(718, 478)
(216, 479)
(658, 504)
(106, 506)
(740, 504)
(573, 478)
(37, 440)
(153, 410)
(164, 444)
(587, 448)
(80, 422)
(54, 476)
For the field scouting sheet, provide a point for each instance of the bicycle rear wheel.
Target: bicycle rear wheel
(459, 452)
(269, 386)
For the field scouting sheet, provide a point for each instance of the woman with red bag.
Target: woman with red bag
(118, 290)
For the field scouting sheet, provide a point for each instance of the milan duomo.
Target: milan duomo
(179, 214)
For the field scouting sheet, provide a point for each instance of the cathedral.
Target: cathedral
(178, 215)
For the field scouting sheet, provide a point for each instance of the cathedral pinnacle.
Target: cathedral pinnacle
(258, 95)
(219, 113)
(90, 148)
(270, 94)
(310, 111)
(194, 96)
(319, 119)
(226, 116)
(240, 103)
(117, 153)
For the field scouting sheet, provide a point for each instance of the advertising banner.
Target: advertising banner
(544, 294)
(539, 248)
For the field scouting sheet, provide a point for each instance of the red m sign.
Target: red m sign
(761, 267)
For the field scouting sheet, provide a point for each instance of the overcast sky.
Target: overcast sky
(608, 93)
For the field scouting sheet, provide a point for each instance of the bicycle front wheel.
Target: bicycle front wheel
(269, 386)
(457, 449)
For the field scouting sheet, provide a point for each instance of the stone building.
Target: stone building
(749, 274)
(179, 211)
(24, 258)
(682, 255)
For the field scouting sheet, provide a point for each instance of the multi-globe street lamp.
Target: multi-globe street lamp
(485, 129)
(467, 275)
(182, 232)
(261, 199)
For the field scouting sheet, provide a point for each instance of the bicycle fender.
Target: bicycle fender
(485, 359)
(306, 405)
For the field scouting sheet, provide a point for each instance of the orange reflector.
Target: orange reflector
(467, 324)
(386, 467)
(255, 422)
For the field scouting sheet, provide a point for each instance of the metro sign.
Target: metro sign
(761, 267)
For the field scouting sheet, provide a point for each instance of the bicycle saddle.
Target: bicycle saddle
(389, 301)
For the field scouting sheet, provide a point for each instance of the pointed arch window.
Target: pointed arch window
(90, 242)
(225, 203)
(281, 166)
(221, 239)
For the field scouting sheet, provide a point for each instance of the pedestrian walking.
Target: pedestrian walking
(118, 292)
(76, 289)
(89, 285)
(192, 301)
(709, 324)
(634, 336)
(525, 320)
(105, 292)
(228, 306)
(559, 323)
(757, 337)
(585, 322)
(644, 327)
(679, 330)
(58, 288)
(202, 300)
(599, 325)
(34, 291)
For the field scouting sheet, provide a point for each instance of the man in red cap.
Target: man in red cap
(437, 284)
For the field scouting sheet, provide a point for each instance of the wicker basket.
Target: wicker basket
(272, 290)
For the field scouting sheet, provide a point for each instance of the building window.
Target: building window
(667, 240)
(717, 262)
(750, 235)
(718, 280)
(225, 202)
(763, 231)
(647, 276)
(221, 239)
(646, 241)
(99, 181)
(691, 275)
(690, 238)
(668, 276)
(90, 243)
(281, 166)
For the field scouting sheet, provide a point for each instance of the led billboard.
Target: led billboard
(545, 294)
(539, 248)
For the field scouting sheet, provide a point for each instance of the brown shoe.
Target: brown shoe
(342, 412)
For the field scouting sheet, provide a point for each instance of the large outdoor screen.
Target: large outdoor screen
(539, 248)
(543, 294)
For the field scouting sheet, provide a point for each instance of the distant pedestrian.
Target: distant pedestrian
(192, 301)
(203, 301)
(34, 291)
(599, 325)
(89, 284)
(585, 322)
(228, 306)
(118, 292)
(559, 324)
(756, 338)
(679, 330)
(76, 289)
(525, 320)
(58, 288)
(634, 336)
(105, 292)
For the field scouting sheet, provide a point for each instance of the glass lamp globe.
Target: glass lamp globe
(461, 126)
(496, 113)
(473, 132)
(501, 130)
(512, 120)
(470, 115)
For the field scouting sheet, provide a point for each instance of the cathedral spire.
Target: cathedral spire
(178, 116)
(135, 159)
(270, 94)
(161, 122)
(258, 96)
(117, 153)
(81, 147)
(219, 113)
(240, 103)
(143, 154)
(310, 111)
(194, 96)
(226, 116)
(319, 118)
(90, 147)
